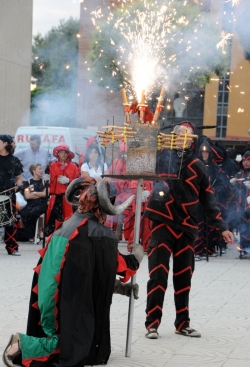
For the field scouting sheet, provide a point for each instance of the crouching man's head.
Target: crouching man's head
(95, 198)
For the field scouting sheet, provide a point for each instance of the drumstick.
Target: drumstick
(11, 188)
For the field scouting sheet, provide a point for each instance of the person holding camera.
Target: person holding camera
(35, 195)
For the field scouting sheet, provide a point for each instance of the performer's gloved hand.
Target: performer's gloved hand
(46, 177)
(125, 289)
(63, 180)
(248, 200)
(137, 251)
(233, 181)
(145, 195)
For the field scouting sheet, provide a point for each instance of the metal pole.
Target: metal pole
(46, 183)
(133, 279)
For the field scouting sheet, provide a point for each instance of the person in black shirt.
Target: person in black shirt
(10, 177)
(35, 195)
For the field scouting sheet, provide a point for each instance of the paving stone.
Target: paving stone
(219, 309)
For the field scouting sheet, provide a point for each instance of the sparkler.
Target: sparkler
(224, 41)
(234, 2)
(149, 42)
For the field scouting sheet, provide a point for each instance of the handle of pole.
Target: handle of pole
(133, 279)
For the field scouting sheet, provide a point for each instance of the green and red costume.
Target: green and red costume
(68, 322)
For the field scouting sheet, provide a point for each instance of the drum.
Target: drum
(6, 214)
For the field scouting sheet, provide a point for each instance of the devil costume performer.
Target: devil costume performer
(220, 186)
(68, 323)
(172, 208)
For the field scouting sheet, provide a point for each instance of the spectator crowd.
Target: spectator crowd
(44, 183)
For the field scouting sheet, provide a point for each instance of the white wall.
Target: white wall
(15, 63)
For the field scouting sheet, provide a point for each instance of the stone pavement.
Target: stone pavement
(219, 309)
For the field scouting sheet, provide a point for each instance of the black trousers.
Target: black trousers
(166, 241)
(55, 215)
(29, 215)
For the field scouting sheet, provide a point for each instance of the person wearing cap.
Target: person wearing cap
(34, 154)
(62, 172)
(73, 286)
(241, 185)
(172, 208)
(10, 176)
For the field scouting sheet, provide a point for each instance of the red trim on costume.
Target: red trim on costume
(55, 297)
(122, 268)
(58, 224)
(42, 251)
(208, 189)
(57, 277)
(189, 166)
(28, 361)
(184, 249)
(158, 267)
(181, 325)
(156, 321)
(161, 245)
(153, 309)
(156, 288)
(218, 216)
(160, 213)
(35, 289)
(183, 290)
(35, 305)
(218, 157)
(183, 271)
(182, 310)
(157, 227)
(50, 207)
(121, 264)
(37, 269)
(188, 216)
(173, 232)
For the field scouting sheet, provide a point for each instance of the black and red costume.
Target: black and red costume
(220, 185)
(173, 208)
(73, 284)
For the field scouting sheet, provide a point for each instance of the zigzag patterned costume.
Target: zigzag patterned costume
(173, 208)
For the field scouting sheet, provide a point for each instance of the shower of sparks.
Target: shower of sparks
(224, 40)
(149, 45)
(141, 54)
(146, 55)
(234, 2)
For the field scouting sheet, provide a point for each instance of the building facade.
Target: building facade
(227, 99)
(15, 63)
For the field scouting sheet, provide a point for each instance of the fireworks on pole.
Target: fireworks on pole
(142, 45)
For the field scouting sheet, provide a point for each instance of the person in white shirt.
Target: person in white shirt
(93, 165)
(34, 154)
